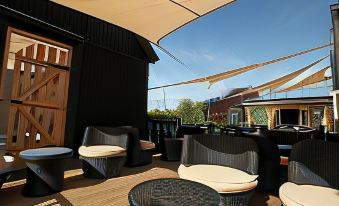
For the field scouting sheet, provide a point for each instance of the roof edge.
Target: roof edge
(148, 49)
(334, 6)
(286, 101)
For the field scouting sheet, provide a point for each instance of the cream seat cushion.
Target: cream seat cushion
(292, 194)
(144, 145)
(101, 151)
(222, 179)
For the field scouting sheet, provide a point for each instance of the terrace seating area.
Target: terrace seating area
(241, 171)
(83, 121)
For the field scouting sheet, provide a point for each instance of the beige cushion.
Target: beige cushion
(308, 195)
(101, 151)
(222, 179)
(144, 145)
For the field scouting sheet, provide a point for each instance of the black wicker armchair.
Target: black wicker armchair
(173, 146)
(313, 174)
(139, 152)
(176, 192)
(103, 154)
(291, 134)
(269, 159)
(225, 163)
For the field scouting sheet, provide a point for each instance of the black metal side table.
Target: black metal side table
(45, 172)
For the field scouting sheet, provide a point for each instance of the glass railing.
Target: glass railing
(315, 90)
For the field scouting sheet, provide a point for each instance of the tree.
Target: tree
(166, 114)
(191, 112)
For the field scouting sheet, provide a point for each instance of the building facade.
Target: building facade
(308, 111)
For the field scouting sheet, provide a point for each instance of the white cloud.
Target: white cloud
(209, 57)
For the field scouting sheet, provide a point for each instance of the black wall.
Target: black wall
(108, 84)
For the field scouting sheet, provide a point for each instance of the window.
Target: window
(277, 118)
(304, 117)
(234, 118)
(317, 114)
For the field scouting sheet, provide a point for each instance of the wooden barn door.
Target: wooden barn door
(39, 97)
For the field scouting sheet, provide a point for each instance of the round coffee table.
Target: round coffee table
(176, 192)
(45, 173)
(8, 165)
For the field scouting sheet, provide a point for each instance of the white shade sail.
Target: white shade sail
(228, 74)
(151, 19)
(280, 81)
(312, 79)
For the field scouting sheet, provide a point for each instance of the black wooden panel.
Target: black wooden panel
(73, 97)
(113, 90)
(113, 37)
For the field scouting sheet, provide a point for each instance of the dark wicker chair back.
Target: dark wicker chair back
(283, 137)
(133, 144)
(267, 148)
(104, 136)
(237, 152)
(269, 160)
(290, 136)
(187, 129)
(103, 167)
(315, 162)
(304, 135)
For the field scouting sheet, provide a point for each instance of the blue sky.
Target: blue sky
(243, 33)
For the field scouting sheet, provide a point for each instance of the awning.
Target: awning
(312, 79)
(280, 81)
(151, 19)
(221, 76)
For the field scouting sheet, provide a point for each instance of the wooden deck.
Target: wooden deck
(82, 191)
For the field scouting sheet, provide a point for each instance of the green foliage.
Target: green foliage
(191, 112)
(201, 106)
(166, 114)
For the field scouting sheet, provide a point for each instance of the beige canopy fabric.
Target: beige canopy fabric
(280, 81)
(151, 19)
(221, 76)
(312, 79)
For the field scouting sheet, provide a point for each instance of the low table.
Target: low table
(8, 165)
(45, 173)
(176, 192)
